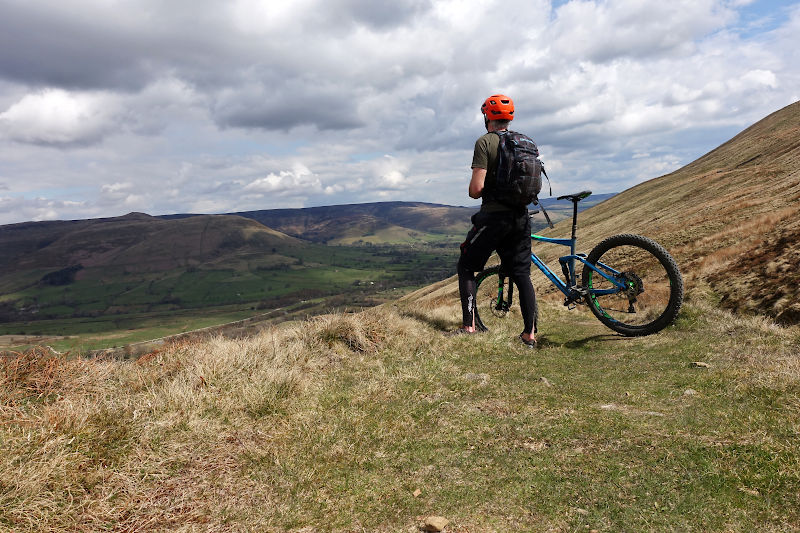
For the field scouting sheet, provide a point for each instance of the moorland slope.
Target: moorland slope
(731, 219)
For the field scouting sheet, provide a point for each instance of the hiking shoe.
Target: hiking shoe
(460, 331)
(529, 344)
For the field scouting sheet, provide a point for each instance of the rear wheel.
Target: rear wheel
(652, 288)
(494, 296)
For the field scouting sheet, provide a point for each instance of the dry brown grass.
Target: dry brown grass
(228, 435)
(160, 443)
(756, 349)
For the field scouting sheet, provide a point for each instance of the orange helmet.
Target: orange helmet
(498, 107)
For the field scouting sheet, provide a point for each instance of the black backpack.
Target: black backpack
(518, 178)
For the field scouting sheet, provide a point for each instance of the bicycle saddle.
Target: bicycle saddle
(577, 197)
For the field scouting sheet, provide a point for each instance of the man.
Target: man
(496, 226)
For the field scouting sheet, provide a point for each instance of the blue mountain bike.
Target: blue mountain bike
(630, 283)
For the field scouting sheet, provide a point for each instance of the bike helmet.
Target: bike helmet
(498, 107)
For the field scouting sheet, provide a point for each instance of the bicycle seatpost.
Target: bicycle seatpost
(574, 218)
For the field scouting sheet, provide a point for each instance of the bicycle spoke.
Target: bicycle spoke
(494, 298)
(652, 290)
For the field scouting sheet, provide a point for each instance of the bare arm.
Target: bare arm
(476, 183)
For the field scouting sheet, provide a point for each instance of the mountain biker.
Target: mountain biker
(496, 227)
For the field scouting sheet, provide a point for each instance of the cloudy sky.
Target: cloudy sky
(113, 106)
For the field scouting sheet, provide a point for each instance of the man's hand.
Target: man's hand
(476, 183)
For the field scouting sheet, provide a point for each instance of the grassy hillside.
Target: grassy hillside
(371, 422)
(730, 218)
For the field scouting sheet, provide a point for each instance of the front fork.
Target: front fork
(503, 303)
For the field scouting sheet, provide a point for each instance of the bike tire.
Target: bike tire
(655, 286)
(494, 295)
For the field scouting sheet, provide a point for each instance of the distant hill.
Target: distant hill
(731, 219)
(139, 242)
(135, 242)
(143, 265)
(380, 222)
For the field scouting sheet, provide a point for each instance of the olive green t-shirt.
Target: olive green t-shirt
(485, 156)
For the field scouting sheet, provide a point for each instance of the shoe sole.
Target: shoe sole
(529, 344)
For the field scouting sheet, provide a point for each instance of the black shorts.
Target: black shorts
(508, 233)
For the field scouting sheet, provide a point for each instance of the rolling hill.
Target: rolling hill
(140, 242)
(387, 222)
(380, 222)
(111, 280)
(135, 242)
(136, 263)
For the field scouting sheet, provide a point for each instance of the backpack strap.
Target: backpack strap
(550, 185)
(549, 222)
(541, 206)
(544, 211)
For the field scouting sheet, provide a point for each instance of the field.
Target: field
(107, 309)
(81, 334)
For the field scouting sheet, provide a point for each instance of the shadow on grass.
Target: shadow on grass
(580, 343)
(440, 324)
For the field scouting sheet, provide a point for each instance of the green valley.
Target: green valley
(91, 284)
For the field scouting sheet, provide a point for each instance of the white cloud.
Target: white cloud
(57, 117)
(391, 173)
(299, 181)
(116, 188)
(37, 209)
(259, 105)
(604, 31)
(756, 79)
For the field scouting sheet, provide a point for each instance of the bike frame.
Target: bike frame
(569, 287)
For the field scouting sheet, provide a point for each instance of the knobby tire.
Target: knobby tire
(491, 303)
(655, 286)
